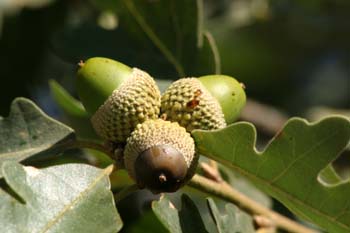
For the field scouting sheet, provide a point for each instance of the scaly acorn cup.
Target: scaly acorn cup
(160, 155)
(209, 102)
(118, 97)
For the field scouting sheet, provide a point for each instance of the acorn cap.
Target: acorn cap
(228, 92)
(188, 102)
(136, 100)
(160, 155)
(97, 78)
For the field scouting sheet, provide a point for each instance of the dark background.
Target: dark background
(294, 55)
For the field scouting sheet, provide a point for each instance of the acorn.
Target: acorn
(208, 102)
(118, 97)
(160, 156)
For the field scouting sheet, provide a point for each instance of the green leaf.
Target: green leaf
(166, 38)
(188, 219)
(66, 198)
(67, 102)
(148, 223)
(74, 111)
(209, 57)
(115, 44)
(329, 175)
(288, 169)
(233, 221)
(149, 21)
(28, 131)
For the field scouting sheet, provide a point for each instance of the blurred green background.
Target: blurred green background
(291, 54)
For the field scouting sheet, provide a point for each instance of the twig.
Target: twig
(211, 171)
(264, 224)
(125, 192)
(226, 192)
(266, 230)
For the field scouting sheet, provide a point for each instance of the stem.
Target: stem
(226, 192)
(125, 192)
(211, 171)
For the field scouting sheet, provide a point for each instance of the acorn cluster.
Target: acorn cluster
(127, 109)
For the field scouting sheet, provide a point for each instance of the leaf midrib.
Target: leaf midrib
(60, 215)
(153, 37)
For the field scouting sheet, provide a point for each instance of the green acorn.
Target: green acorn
(160, 155)
(118, 97)
(209, 102)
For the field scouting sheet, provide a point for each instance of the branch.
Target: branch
(226, 192)
(211, 171)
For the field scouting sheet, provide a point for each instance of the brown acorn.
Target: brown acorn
(160, 155)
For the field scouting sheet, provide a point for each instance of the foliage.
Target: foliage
(270, 44)
(64, 198)
(306, 150)
(73, 110)
(181, 47)
(233, 220)
(289, 166)
(188, 219)
(28, 131)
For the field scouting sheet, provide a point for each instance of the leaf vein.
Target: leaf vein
(153, 37)
(302, 155)
(74, 201)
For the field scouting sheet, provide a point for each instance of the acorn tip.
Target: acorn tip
(81, 63)
(243, 86)
(162, 178)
